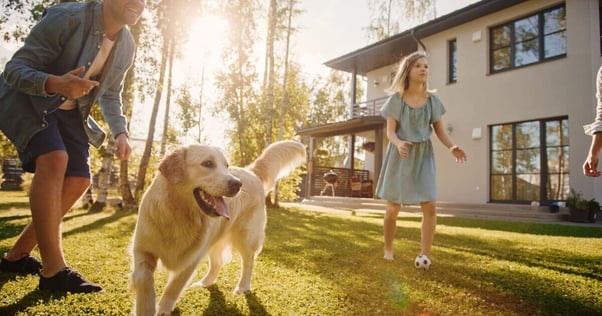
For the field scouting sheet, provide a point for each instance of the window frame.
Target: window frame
(544, 171)
(452, 60)
(513, 41)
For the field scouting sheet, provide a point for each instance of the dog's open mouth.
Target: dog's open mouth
(211, 205)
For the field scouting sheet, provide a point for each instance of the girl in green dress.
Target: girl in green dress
(408, 173)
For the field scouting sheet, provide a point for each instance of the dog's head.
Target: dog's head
(204, 171)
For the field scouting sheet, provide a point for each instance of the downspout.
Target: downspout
(417, 40)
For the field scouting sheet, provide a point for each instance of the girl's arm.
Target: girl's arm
(401, 145)
(446, 140)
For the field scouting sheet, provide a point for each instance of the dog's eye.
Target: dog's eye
(207, 164)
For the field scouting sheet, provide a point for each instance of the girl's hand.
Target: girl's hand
(402, 148)
(458, 153)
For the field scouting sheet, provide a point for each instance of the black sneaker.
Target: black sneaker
(68, 280)
(25, 265)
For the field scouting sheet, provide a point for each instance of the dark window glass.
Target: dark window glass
(453, 61)
(529, 161)
(528, 40)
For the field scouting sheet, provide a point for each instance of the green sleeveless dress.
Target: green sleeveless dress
(411, 180)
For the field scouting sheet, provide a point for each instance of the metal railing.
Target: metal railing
(368, 108)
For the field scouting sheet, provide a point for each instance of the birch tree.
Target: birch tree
(236, 82)
(389, 17)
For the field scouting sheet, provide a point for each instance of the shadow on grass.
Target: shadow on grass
(557, 260)
(509, 283)
(218, 304)
(98, 223)
(256, 308)
(9, 229)
(517, 227)
(33, 298)
(5, 206)
(341, 250)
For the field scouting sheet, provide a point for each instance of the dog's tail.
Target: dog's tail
(277, 161)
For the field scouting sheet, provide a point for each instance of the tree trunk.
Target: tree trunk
(141, 178)
(128, 98)
(87, 199)
(104, 176)
(168, 98)
(268, 79)
(284, 100)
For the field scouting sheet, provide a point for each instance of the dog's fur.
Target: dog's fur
(173, 227)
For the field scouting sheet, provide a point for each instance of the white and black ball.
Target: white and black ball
(422, 262)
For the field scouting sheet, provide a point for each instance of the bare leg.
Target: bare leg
(51, 197)
(390, 224)
(429, 223)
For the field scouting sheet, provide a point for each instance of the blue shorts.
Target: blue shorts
(65, 131)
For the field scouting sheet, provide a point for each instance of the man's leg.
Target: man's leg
(27, 240)
(45, 199)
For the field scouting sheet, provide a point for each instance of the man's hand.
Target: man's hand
(590, 166)
(122, 147)
(458, 153)
(71, 84)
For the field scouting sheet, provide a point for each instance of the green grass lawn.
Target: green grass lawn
(318, 263)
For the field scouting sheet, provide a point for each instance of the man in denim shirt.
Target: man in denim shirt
(76, 55)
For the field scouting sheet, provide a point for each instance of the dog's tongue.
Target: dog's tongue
(221, 208)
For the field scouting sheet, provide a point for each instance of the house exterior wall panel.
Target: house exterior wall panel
(554, 88)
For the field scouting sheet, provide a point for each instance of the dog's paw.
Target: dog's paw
(241, 290)
(163, 313)
(201, 284)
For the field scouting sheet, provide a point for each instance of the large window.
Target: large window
(530, 161)
(528, 40)
(453, 61)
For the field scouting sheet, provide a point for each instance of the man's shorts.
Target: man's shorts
(64, 131)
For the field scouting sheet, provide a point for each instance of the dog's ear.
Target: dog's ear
(172, 166)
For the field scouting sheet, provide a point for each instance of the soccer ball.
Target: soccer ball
(422, 262)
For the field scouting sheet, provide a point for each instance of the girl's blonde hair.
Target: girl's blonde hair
(401, 81)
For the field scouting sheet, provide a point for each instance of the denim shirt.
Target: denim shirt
(67, 37)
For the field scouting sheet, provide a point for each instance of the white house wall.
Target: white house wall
(561, 87)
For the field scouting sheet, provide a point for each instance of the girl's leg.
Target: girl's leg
(429, 222)
(390, 224)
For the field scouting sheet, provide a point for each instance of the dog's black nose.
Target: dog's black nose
(234, 185)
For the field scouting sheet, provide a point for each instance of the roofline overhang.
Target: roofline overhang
(353, 126)
(388, 51)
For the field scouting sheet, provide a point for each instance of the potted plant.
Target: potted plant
(580, 209)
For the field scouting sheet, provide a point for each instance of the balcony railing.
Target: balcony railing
(368, 108)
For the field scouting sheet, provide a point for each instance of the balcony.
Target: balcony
(368, 108)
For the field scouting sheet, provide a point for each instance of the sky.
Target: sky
(327, 29)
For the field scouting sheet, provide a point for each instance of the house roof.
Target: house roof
(389, 50)
(353, 126)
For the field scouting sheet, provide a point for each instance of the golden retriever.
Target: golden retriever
(198, 206)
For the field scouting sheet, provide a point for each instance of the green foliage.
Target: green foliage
(189, 111)
(7, 149)
(576, 201)
(29, 12)
(387, 16)
(330, 263)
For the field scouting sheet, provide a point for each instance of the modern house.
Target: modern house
(517, 79)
